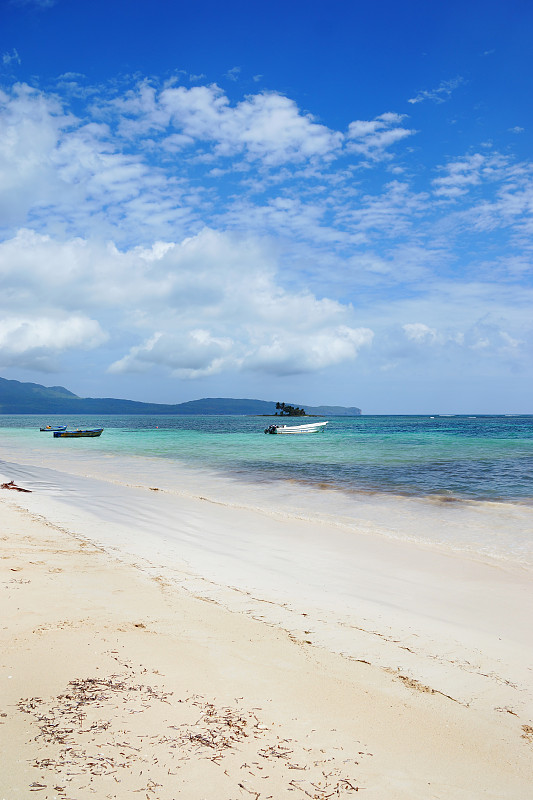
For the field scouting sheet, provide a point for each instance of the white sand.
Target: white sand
(339, 646)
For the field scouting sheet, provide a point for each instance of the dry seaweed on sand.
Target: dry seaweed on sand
(111, 728)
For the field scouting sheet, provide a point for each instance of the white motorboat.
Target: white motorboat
(311, 427)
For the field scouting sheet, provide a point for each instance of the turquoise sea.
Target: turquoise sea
(447, 457)
(456, 483)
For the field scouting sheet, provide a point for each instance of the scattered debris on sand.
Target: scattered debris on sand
(112, 728)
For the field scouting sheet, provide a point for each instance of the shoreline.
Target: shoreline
(482, 529)
(419, 640)
(439, 466)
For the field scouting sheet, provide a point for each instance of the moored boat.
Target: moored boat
(77, 433)
(54, 428)
(311, 427)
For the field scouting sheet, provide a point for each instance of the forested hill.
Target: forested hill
(32, 398)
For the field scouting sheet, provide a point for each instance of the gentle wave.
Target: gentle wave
(440, 489)
(474, 458)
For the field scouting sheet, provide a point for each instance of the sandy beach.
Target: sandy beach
(130, 670)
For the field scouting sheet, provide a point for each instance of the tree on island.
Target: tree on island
(290, 411)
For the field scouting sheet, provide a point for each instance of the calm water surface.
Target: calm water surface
(459, 457)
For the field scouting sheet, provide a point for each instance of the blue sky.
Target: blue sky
(321, 203)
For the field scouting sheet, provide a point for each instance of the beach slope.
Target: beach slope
(117, 683)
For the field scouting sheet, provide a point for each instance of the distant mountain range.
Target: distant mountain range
(32, 398)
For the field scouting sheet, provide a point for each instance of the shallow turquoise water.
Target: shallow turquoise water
(488, 458)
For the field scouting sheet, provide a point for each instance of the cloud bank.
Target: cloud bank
(169, 229)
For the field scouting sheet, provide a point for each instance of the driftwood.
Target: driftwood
(11, 485)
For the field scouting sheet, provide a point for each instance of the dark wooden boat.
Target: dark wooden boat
(77, 433)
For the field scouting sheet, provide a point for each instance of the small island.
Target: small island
(289, 411)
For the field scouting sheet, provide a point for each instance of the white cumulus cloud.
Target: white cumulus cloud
(419, 332)
(32, 341)
(372, 138)
(208, 304)
(266, 126)
(292, 355)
